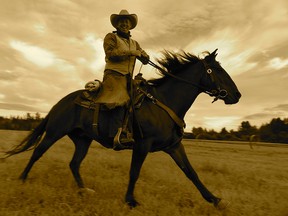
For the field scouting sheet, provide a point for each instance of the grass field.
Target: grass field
(254, 181)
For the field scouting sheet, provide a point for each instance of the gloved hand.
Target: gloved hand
(144, 58)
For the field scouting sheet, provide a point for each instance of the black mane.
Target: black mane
(173, 63)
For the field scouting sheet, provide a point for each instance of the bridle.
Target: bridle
(217, 92)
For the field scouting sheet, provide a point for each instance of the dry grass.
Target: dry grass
(254, 181)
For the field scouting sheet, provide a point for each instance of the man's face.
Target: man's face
(124, 25)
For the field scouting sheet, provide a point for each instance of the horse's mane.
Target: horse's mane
(173, 63)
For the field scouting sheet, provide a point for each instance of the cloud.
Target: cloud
(18, 107)
(8, 75)
(268, 113)
(58, 48)
(279, 108)
(97, 45)
(278, 63)
(34, 54)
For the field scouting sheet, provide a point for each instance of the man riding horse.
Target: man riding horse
(121, 52)
(159, 118)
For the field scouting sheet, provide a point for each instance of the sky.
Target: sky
(50, 48)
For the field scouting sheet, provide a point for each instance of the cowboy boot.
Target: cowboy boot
(122, 141)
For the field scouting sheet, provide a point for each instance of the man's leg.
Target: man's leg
(116, 120)
(121, 140)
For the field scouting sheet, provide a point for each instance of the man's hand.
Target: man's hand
(144, 58)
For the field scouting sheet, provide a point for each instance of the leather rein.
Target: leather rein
(216, 93)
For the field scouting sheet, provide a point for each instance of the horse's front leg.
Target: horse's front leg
(179, 156)
(140, 152)
(82, 144)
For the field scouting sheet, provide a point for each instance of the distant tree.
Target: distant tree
(275, 131)
(37, 116)
(28, 116)
(283, 137)
(246, 130)
(235, 135)
(187, 135)
(265, 133)
(20, 123)
(277, 126)
(213, 134)
(225, 135)
(198, 131)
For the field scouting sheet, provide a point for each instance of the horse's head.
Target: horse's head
(218, 81)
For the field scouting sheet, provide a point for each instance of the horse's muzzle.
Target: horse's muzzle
(232, 99)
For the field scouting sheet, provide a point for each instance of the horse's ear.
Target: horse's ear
(214, 53)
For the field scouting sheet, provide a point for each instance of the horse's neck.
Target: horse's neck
(177, 95)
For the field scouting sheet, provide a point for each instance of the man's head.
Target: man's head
(124, 25)
(124, 20)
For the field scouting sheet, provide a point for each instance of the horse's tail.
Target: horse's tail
(31, 141)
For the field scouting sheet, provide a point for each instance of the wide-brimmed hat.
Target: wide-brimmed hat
(114, 18)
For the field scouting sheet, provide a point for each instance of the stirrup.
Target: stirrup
(116, 140)
(121, 144)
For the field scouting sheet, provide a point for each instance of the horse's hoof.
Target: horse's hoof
(222, 204)
(83, 191)
(22, 179)
(132, 203)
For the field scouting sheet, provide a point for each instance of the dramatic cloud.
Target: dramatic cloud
(278, 63)
(267, 114)
(51, 48)
(36, 55)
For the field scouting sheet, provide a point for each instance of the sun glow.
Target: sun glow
(219, 122)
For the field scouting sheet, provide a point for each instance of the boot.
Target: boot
(122, 141)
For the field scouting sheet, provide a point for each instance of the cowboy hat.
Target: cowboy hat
(114, 18)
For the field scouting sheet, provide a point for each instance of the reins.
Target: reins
(175, 77)
(216, 93)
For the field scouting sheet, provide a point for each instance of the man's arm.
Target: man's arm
(114, 54)
(144, 58)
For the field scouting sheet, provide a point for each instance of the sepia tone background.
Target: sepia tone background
(51, 48)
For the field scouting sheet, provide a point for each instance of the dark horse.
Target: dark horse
(184, 77)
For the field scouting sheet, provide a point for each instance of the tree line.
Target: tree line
(27, 122)
(276, 131)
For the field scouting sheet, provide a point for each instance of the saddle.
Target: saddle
(88, 98)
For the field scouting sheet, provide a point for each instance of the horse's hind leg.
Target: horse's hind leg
(179, 156)
(43, 146)
(82, 144)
